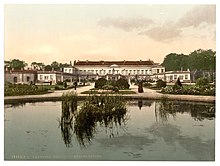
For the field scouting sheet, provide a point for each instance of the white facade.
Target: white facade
(172, 76)
(49, 76)
(116, 69)
(55, 76)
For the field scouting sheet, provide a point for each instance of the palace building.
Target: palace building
(117, 69)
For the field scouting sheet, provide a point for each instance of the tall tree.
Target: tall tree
(37, 66)
(15, 64)
(175, 61)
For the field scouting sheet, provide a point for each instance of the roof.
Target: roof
(109, 63)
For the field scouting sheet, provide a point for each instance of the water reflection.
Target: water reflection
(194, 145)
(69, 106)
(107, 111)
(198, 111)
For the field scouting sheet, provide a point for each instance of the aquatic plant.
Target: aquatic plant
(107, 110)
(164, 108)
(69, 106)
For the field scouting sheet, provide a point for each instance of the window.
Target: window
(15, 79)
(142, 71)
(28, 78)
(158, 70)
(70, 71)
(65, 70)
(46, 77)
(130, 71)
(181, 77)
(138, 71)
(96, 71)
(104, 72)
(41, 77)
(175, 77)
(146, 71)
(134, 71)
(100, 71)
(109, 71)
(126, 71)
(186, 77)
(161, 70)
(51, 77)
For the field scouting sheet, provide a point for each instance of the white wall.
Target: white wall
(124, 70)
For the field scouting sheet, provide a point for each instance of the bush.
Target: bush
(100, 83)
(108, 87)
(161, 84)
(202, 82)
(122, 83)
(59, 83)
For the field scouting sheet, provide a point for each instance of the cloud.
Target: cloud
(198, 15)
(163, 33)
(126, 24)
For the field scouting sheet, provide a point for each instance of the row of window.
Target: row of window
(181, 77)
(46, 77)
(15, 79)
(124, 72)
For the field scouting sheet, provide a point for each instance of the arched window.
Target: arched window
(15, 79)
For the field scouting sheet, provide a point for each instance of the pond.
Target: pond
(148, 130)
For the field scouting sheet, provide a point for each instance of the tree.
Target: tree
(55, 65)
(37, 66)
(174, 62)
(15, 64)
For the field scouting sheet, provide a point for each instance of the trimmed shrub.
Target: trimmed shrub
(202, 82)
(100, 83)
(140, 88)
(161, 84)
(122, 83)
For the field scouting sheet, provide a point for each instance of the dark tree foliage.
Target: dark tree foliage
(161, 84)
(204, 60)
(15, 64)
(100, 82)
(122, 83)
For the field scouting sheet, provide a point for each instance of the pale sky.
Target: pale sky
(64, 33)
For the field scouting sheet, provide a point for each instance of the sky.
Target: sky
(64, 33)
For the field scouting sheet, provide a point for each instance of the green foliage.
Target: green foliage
(193, 90)
(122, 83)
(100, 83)
(17, 90)
(65, 85)
(16, 64)
(104, 110)
(175, 61)
(161, 84)
(202, 82)
(197, 60)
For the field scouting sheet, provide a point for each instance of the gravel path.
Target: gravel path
(148, 94)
